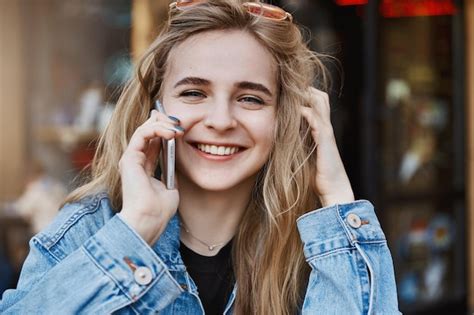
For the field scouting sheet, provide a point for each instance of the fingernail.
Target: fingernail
(175, 119)
(179, 128)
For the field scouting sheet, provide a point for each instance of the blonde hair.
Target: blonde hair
(268, 259)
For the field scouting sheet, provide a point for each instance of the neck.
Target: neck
(211, 217)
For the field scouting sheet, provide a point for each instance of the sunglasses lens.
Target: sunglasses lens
(266, 10)
(187, 3)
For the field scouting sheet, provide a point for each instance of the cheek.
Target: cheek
(265, 134)
(188, 115)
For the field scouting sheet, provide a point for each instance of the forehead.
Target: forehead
(228, 55)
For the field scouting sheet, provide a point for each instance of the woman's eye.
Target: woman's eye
(193, 94)
(251, 99)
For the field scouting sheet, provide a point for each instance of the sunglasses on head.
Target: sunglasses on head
(263, 10)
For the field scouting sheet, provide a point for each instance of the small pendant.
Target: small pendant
(211, 247)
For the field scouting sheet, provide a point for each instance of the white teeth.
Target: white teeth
(217, 150)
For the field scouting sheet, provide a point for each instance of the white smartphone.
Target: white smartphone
(167, 156)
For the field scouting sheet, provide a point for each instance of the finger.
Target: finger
(132, 163)
(317, 126)
(319, 100)
(317, 110)
(157, 116)
(310, 115)
(314, 91)
(153, 118)
(140, 139)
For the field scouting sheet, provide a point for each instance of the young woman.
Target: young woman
(255, 156)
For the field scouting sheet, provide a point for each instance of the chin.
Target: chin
(218, 182)
(208, 186)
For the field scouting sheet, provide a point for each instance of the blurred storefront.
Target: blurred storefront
(401, 127)
(61, 65)
(402, 99)
(421, 152)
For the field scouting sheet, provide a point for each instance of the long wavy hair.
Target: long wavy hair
(269, 264)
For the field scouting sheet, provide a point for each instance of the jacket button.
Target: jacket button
(354, 220)
(142, 275)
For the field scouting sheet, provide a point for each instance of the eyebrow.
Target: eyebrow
(246, 85)
(193, 81)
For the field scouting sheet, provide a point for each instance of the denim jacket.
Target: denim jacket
(89, 261)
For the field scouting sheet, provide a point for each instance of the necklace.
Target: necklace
(210, 247)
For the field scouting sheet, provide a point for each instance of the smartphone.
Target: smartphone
(167, 155)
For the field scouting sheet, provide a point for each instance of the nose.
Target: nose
(220, 116)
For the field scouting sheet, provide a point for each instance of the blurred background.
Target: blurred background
(402, 107)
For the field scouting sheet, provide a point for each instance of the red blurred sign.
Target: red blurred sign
(402, 8)
(351, 2)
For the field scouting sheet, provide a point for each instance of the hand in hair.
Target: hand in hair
(331, 183)
(147, 204)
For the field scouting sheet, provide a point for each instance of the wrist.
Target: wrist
(339, 198)
(149, 229)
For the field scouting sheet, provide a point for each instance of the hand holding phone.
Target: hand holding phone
(167, 155)
(148, 203)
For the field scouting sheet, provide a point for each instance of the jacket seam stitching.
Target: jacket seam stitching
(129, 302)
(39, 244)
(125, 304)
(73, 218)
(330, 253)
(145, 290)
(329, 208)
(333, 251)
(148, 288)
(366, 261)
(381, 241)
(93, 260)
(348, 233)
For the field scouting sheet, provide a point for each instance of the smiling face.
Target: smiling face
(222, 86)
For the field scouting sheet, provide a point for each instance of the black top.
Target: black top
(214, 277)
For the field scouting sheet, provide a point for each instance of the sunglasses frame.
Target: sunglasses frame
(269, 9)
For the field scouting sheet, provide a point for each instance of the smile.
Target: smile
(217, 150)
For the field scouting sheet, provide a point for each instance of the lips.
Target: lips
(217, 149)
